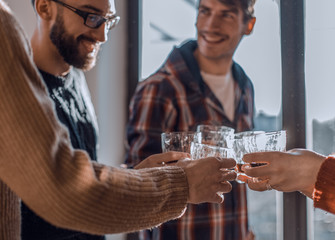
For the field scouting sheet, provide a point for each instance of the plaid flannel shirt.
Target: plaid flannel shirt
(176, 98)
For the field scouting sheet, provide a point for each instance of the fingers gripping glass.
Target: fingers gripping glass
(92, 20)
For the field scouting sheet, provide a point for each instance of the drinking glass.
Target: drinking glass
(244, 142)
(257, 141)
(200, 150)
(221, 136)
(178, 141)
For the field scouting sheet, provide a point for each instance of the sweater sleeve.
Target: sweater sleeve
(10, 219)
(324, 191)
(62, 185)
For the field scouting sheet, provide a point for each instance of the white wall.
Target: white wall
(107, 82)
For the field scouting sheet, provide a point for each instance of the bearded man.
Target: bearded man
(65, 43)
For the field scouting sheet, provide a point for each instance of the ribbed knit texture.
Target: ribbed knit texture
(62, 185)
(324, 192)
(9, 214)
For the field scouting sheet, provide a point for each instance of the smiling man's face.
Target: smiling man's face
(75, 42)
(220, 28)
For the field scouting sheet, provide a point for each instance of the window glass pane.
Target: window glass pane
(168, 23)
(165, 24)
(320, 52)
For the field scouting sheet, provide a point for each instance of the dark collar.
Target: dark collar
(187, 49)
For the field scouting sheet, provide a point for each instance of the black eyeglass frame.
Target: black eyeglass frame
(111, 21)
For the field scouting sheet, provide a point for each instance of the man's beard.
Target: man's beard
(68, 47)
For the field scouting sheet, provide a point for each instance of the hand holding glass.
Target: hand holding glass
(249, 142)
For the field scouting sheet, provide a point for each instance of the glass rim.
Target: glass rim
(180, 133)
(275, 132)
(215, 128)
(250, 133)
(240, 136)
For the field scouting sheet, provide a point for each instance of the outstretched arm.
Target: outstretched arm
(62, 185)
(297, 170)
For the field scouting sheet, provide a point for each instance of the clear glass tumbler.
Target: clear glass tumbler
(199, 150)
(221, 136)
(257, 141)
(178, 141)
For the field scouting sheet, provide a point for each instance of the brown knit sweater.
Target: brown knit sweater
(62, 185)
(324, 191)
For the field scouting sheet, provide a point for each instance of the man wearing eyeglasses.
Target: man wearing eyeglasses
(65, 42)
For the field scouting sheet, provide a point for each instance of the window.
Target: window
(165, 24)
(320, 82)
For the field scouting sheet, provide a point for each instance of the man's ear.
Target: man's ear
(44, 9)
(250, 26)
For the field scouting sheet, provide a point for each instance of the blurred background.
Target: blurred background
(149, 29)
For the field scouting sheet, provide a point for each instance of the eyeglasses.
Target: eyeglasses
(92, 20)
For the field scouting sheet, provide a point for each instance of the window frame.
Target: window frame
(292, 18)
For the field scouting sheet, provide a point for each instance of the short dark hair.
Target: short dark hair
(247, 7)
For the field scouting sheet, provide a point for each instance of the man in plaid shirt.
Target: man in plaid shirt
(199, 84)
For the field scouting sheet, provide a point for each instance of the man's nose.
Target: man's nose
(213, 22)
(101, 33)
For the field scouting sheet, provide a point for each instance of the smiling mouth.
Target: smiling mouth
(89, 45)
(213, 38)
